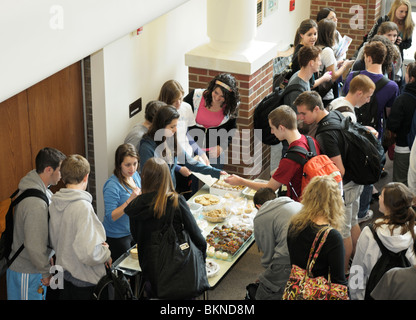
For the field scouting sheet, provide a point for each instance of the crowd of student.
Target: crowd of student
(348, 254)
(152, 174)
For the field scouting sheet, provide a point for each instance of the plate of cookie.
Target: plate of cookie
(215, 215)
(208, 201)
(212, 268)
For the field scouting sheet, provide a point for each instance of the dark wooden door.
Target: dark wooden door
(48, 114)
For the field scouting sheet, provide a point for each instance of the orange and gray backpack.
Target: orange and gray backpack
(313, 164)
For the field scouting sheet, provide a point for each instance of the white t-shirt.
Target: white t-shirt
(186, 119)
(342, 102)
(411, 175)
(328, 59)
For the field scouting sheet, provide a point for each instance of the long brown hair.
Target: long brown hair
(231, 94)
(304, 27)
(124, 150)
(171, 91)
(326, 33)
(164, 116)
(398, 199)
(156, 178)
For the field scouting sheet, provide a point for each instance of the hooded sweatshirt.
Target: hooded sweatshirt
(77, 236)
(401, 115)
(367, 254)
(270, 227)
(31, 229)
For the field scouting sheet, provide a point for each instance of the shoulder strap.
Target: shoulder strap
(409, 94)
(31, 193)
(25, 194)
(313, 256)
(344, 109)
(383, 249)
(292, 87)
(294, 153)
(381, 83)
(329, 125)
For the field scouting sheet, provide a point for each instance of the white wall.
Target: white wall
(280, 26)
(137, 66)
(39, 38)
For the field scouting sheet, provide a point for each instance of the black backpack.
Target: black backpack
(367, 113)
(387, 261)
(363, 152)
(113, 286)
(6, 239)
(267, 105)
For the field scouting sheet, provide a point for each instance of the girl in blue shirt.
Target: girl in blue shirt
(119, 190)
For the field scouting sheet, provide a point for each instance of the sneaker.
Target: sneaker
(367, 216)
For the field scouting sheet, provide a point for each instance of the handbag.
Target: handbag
(303, 286)
(325, 86)
(176, 267)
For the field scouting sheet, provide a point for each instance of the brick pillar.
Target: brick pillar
(346, 11)
(252, 88)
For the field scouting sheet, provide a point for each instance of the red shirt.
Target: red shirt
(290, 172)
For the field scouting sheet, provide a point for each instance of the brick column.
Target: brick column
(252, 88)
(346, 11)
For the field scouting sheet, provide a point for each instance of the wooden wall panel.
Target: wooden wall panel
(48, 114)
(56, 114)
(15, 148)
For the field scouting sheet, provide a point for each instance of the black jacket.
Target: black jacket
(400, 118)
(143, 223)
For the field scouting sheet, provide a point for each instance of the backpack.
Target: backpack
(265, 106)
(281, 80)
(367, 113)
(6, 222)
(113, 286)
(387, 261)
(313, 164)
(363, 151)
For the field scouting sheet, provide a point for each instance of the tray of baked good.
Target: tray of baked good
(226, 241)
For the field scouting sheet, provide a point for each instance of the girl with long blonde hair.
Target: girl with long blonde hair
(401, 14)
(322, 207)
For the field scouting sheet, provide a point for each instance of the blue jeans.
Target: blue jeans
(365, 200)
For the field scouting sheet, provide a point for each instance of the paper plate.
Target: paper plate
(212, 268)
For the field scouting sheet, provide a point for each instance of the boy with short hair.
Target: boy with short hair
(283, 124)
(76, 233)
(270, 226)
(309, 58)
(30, 270)
(360, 92)
(311, 110)
(139, 129)
(374, 54)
